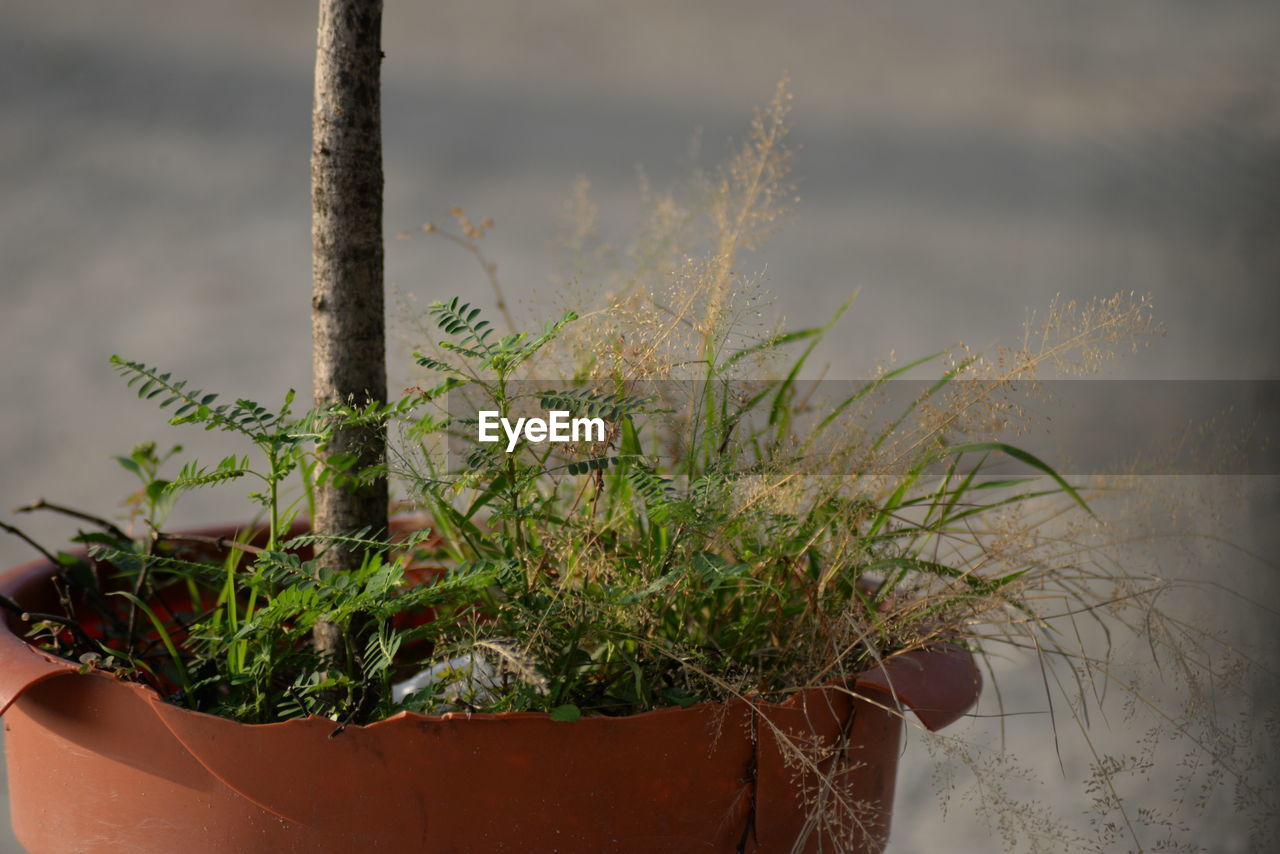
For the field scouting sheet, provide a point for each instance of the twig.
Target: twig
(219, 542)
(17, 532)
(490, 268)
(106, 525)
(138, 584)
(299, 699)
(39, 616)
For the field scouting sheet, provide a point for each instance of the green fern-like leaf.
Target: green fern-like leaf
(463, 322)
(592, 464)
(197, 406)
(655, 489)
(519, 350)
(437, 365)
(193, 475)
(594, 404)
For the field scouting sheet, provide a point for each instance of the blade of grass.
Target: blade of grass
(184, 679)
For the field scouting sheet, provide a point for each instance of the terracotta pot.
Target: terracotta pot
(98, 764)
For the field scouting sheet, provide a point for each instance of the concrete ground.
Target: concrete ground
(959, 164)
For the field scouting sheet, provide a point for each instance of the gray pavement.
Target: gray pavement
(959, 163)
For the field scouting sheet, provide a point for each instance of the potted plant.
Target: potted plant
(695, 624)
(598, 632)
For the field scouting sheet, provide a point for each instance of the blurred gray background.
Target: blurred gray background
(958, 164)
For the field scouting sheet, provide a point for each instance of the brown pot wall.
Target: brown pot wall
(96, 764)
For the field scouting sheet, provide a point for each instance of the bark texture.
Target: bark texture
(347, 315)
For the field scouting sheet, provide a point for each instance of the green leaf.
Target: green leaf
(567, 712)
(98, 537)
(128, 464)
(778, 414)
(156, 490)
(1024, 457)
(767, 344)
(183, 678)
(68, 560)
(592, 464)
